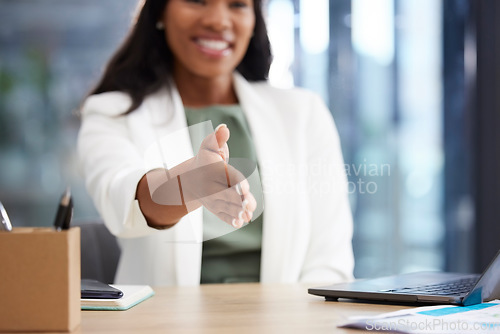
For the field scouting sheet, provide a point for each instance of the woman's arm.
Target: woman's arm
(161, 216)
(165, 196)
(122, 192)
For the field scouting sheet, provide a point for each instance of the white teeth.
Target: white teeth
(212, 44)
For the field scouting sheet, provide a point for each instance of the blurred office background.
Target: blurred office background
(411, 85)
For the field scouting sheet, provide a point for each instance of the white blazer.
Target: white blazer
(307, 228)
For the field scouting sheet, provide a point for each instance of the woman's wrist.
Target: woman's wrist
(160, 215)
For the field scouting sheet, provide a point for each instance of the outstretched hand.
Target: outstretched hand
(218, 186)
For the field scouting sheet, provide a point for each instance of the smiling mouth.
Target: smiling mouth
(215, 45)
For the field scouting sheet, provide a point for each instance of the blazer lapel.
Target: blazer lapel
(273, 157)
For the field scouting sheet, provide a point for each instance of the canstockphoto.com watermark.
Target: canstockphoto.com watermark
(431, 325)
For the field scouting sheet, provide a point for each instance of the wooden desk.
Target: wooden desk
(229, 308)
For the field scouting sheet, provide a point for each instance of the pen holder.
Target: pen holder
(39, 280)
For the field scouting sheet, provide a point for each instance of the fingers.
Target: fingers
(249, 203)
(230, 220)
(213, 179)
(224, 153)
(216, 143)
(217, 139)
(233, 214)
(222, 135)
(235, 176)
(231, 207)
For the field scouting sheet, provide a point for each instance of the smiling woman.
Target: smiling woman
(145, 62)
(186, 64)
(208, 38)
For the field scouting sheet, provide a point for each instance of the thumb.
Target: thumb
(222, 135)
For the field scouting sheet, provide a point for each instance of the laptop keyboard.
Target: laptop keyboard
(453, 288)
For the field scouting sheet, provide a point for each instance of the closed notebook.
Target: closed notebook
(132, 295)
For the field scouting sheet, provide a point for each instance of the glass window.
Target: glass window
(381, 74)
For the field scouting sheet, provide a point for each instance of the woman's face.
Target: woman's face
(208, 37)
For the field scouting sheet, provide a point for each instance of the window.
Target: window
(382, 74)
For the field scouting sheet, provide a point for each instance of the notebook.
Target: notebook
(132, 295)
(421, 287)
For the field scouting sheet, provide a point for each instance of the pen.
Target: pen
(69, 214)
(6, 225)
(64, 212)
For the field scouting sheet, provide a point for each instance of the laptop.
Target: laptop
(421, 288)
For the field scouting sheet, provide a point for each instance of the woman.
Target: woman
(183, 63)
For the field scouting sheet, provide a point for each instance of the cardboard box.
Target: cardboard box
(40, 280)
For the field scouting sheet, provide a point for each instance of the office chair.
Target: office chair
(100, 251)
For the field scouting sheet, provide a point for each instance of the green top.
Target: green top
(235, 256)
